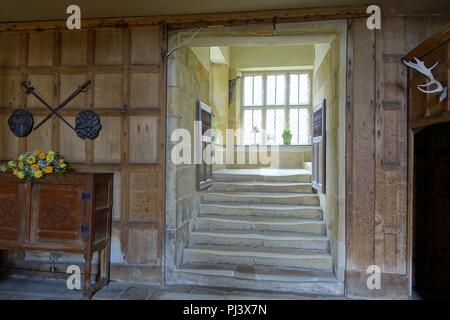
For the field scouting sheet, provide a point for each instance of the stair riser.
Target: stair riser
(310, 200)
(223, 187)
(316, 263)
(240, 178)
(314, 213)
(310, 244)
(314, 228)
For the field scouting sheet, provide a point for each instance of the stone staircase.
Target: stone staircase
(261, 229)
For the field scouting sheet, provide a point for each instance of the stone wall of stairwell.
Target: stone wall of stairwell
(188, 81)
(329, 84)
(219, 103)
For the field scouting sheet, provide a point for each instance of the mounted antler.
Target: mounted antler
(420, 67)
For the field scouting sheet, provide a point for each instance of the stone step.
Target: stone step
(322, 284)
(262, 198)
(270, 257)
(261, 186)
(247, 166)
(255, 238)
(264, 210)
(239, 175)
(228, 222)
(259, 273)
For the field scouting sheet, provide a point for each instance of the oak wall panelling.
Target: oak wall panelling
(378, 229)
(375, 220)
(127, 73)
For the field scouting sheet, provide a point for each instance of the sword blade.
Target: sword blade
(62, 105)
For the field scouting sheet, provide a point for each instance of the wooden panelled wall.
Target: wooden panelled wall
(377, 223)
(127, 70)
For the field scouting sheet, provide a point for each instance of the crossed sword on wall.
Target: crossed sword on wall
(55, 111)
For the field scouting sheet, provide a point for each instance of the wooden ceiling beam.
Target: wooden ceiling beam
(207, 20)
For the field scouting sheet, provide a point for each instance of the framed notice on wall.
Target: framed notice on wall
(203, 136)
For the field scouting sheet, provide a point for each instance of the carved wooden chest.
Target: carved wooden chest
(61, 213)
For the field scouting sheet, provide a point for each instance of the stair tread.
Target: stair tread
(259, 272)
(253, 219)
(264, 235)
(262, 206)
(262, 194)
(264, 183)
(267, 252)
(263, 172)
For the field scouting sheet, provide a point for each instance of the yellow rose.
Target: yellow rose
(37, 151)
(51, 152)
(20, 164)
(63, 165)
(42, 155)
(19, 174)
(38, 174)
(35, 167)
(31, 159)
(48, 169)
(50, 157)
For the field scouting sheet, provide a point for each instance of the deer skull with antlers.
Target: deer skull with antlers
(422, 68)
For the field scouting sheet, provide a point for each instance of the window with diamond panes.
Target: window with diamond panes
(274, 101)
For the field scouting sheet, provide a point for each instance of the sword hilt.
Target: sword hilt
(27, 88)
(85, 86)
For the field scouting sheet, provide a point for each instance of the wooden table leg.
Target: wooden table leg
(108, 261)
(87, 276)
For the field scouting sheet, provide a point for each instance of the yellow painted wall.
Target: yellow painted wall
(271, 56)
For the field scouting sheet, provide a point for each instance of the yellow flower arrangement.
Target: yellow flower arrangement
(35, 165)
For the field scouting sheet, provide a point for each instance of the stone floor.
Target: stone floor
(23, 288)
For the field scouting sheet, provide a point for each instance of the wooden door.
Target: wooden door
(428, 109)
(319, 147)
(427, 165)
(431, 244)
(204, 143)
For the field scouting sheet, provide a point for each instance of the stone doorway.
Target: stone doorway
(190, 79)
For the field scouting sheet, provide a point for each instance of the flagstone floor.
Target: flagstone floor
(24, 288)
